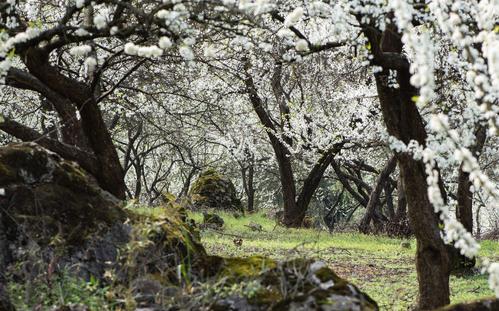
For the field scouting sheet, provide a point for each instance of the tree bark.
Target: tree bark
(310, 185)
(110, 174)
(388, 189)
(294, 207)
(375, 194)
(248, 186)
(71, 128)
(464, 210)
(401, 212)
(404, 122)
(344, 181)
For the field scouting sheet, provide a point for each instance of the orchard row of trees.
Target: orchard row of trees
(395, 103)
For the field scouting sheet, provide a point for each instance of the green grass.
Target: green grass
(378, 265)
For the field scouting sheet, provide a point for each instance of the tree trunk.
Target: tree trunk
(404, 122)
(344, 181)
(5, 303)
(464, 210)
(292, 215)
(248, 186)
(294, 207)
(312, 181)
(401, 212)
(110, 174)
(251, 189)
(375, 194)
(388, 189)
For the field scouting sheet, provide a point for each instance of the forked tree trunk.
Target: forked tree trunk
(110, 174)
(295, 206)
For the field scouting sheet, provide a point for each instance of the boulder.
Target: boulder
(211, 220)
(54, 216)
(43, 196)
(212, 190)
(490, 304)
(259, 283)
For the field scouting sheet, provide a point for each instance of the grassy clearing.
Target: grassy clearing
(380, 266)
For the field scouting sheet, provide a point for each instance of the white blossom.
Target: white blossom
(293, 17)
(80, 3)
(186, 52)
(165, 43)
(301, 45)
(80, 50)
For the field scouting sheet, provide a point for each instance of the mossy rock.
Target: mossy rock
(212, 190)
(47, 197)
(163, 246)
(488, 304)
(265, 284)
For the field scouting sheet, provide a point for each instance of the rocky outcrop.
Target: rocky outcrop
(45, 196)
(212, 190)
(55, 220)
(47, 201)
(54, 216)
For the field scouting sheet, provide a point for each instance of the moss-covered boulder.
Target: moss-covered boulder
(44, 196)
(213, 190)
(258, 283)
(490, 304)
(54, 216)
(164, 247)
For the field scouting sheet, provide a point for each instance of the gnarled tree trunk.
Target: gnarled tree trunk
(67, 96)
(404, 122)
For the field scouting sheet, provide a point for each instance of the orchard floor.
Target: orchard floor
(378, 265)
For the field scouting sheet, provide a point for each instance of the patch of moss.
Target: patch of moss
(163, 244)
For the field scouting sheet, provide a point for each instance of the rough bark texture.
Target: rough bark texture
(67, 96)
(404, 122)
(248, 186)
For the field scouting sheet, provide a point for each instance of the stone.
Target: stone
(46, 196)
(488, 304)
(254, 226)
(213, 220)
(212, 190)
(292, 285)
